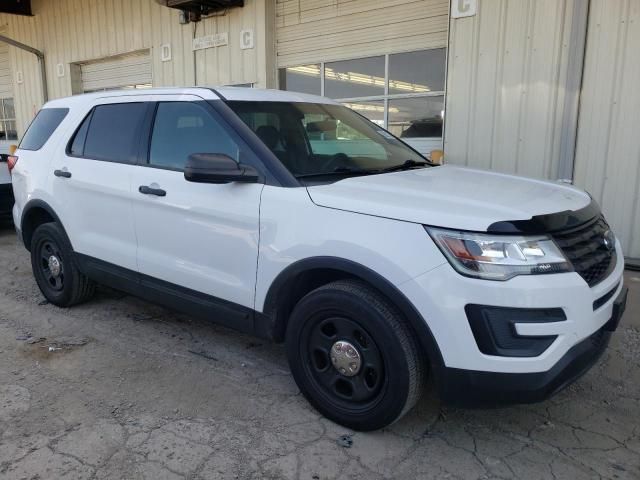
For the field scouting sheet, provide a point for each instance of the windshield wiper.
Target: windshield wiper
(341, 171)
(406, 166)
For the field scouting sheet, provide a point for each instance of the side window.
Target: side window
(183, 128)
(76, 149)
(114, 132)
(42, 127)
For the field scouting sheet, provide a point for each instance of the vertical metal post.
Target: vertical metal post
(386, 92)
(577, 44)
(37, 53)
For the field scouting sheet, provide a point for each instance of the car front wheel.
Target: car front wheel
(353, 356)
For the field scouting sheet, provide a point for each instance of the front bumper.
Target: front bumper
(467, 376)
(469, 388)
(441, 295)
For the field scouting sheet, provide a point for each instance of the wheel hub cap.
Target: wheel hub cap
(54, 266)
(346, 358)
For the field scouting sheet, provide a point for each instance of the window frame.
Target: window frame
(386, 97)
(89, 116)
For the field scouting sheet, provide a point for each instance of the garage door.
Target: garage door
(132, 70)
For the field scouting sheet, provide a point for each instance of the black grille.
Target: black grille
(586, 249)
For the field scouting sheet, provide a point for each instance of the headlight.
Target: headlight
(499, 257)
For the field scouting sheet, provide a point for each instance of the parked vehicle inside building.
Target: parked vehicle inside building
(292, 217)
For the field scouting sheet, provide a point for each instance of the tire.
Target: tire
(59, 281)
(387, 377)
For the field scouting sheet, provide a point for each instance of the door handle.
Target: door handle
(145, 190)
(62, 173)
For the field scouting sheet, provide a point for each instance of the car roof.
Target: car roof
(207, 93)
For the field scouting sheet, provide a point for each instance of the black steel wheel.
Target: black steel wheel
(54, 267)
(51, 265)
(356, 382)
(353, 357)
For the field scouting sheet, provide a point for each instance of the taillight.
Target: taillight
(11, 162)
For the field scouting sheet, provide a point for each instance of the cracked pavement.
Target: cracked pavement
(119, 388)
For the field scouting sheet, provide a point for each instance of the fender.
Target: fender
(282, 285)
(32, 204)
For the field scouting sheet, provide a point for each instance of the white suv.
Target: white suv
(293, 218)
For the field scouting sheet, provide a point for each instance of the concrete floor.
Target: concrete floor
(118, 388)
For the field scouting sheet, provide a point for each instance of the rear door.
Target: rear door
(92, 180)
(198, 237)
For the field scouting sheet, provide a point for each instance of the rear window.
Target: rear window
(114, 132)
(42, 127)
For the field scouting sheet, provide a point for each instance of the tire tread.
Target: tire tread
(417, 374)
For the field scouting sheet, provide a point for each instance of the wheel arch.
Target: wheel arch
(35, 213)
(293, 283)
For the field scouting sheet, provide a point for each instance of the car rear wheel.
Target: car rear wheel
(353, 356)
(54, 267)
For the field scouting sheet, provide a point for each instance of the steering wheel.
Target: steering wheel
(335, 161)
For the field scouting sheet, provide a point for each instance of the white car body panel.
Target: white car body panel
(5, 177)
(293, 229)
(448, 196)
(200, 236)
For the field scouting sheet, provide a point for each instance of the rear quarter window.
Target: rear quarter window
(42, 127)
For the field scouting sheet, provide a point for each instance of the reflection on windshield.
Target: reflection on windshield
(313, 139)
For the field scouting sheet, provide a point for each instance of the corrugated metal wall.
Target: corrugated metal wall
(77, 31)
(310, 31)
(608, 148)
(513, 85)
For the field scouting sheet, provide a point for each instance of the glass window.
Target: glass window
(304, 79)
(45, 123)
(417, 72)
(412, 106)
(416, 117)
(76, 148)
(183, 128)
(7, 120)
(372, 109)
(354, 78)
(114, 132)
(318, 140)
(331, 136)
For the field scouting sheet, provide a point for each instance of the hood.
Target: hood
(450, 197)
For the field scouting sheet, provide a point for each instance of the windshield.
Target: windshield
(314, 140)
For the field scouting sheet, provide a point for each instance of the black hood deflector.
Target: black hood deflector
(549, 223)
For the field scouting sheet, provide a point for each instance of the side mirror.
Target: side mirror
(217, 168)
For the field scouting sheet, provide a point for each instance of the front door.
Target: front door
(200, 237)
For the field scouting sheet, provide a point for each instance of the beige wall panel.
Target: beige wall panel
(608, 146)
(310, 31)
(77, 31)
(511, 85)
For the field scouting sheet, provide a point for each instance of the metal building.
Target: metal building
(545, 88)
